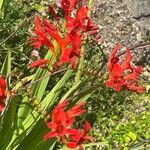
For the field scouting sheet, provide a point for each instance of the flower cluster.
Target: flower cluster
(3, 94)
(68, 36)
(63, 38)
(61, 122)
(123, 76)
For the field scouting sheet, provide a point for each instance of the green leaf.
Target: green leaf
(49, 100)
(52, 96)
(41, 86)
(71, 91)
(1, 3)
(85, 94)
(8, 122)
(32, 119)
(6, 68)
(34, 140)
(38, 90)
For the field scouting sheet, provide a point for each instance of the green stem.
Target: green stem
(91, 4)
(81, 64)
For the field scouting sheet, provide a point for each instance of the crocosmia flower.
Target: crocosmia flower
(123, 75)
(62, 120)
(40, 37)
(70, 54)
(78, 137)
(68, 5)
(42, 63)
(61, 126)
(64, 42)
(3, 94)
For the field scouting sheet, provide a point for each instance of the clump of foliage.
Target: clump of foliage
(46, 81)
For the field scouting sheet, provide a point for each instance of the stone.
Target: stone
(140, 10)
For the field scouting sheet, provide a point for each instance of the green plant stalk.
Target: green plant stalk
(91, 4)
(81, 65)
(71, 91)
(81, 62)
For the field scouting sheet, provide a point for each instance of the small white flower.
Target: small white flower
(35, 53)
(58, 3)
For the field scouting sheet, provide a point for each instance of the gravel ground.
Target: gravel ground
(118, 26)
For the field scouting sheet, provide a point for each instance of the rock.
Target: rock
(140, 10)
(139, 37)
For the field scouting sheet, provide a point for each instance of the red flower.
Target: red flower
(134, 74)
(79, 21)
(75, 111)
(70, 54)
(68, 46)
(68, 5)
(41, 37)
(123, 75)
(62, 120)
(59, 123)
(39, 63)
(135, 87)
(126, 64)
(3, 94)
(131, 80)
(82, 14)
(52, 32)
(91, 27)
(78, 137)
